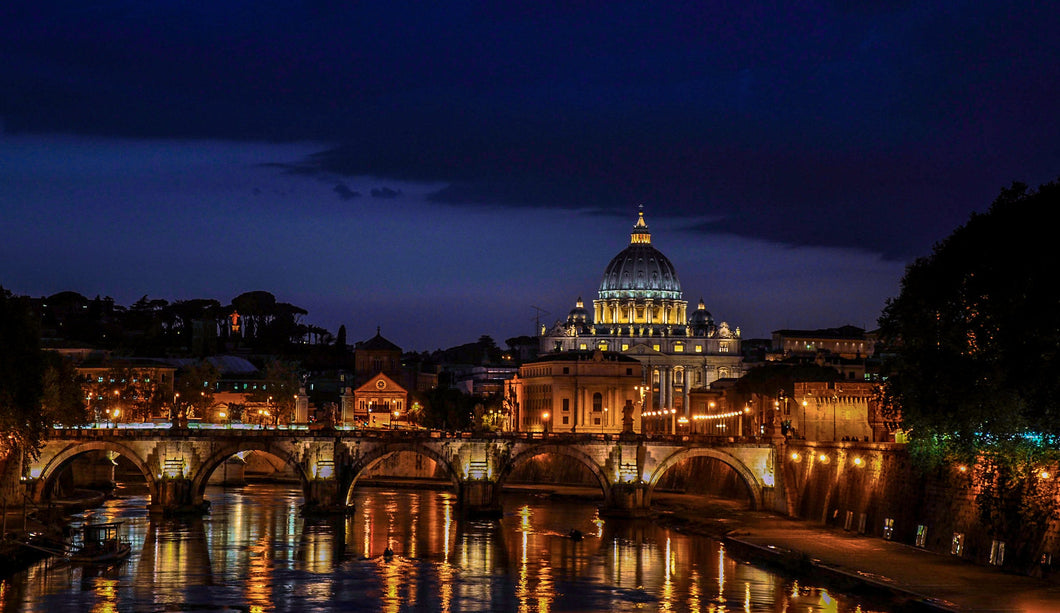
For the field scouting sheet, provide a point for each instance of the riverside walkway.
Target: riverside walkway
(925, 580)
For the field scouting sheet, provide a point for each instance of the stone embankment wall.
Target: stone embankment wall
(874, 489)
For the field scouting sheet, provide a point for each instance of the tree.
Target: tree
(278, 391)
(62, 399)
(778, 379)
(340, 341)
(976, 329)
(126, 393)
(195, 385)
(975, 373)
(448, 409)
(22, 423)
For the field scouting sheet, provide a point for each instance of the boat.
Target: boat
(100, 544)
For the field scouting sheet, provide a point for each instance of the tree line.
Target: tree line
(199, 326)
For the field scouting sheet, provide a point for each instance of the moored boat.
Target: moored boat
(100, 544)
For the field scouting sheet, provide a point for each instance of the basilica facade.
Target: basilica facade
(640, 312)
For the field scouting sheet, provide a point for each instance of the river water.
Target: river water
(254, 553)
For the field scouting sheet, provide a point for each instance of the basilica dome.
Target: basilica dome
(640, 270)
(578, 315)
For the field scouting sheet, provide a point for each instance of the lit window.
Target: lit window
(699, 348)
(957, 545)
(625, 346)
(679, 348)
(583, 346)
(997, 553)
(655, 347)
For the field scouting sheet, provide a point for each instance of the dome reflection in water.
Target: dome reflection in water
(255, 553)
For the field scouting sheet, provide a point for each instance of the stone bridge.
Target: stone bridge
(177, 462)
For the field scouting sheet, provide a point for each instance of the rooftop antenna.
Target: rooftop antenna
(537, 318)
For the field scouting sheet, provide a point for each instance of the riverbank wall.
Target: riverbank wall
(875, 490)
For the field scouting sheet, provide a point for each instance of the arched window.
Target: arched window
(598, 402)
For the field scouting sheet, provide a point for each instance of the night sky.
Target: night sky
(439, 171)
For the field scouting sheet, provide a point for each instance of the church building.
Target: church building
(640, 312)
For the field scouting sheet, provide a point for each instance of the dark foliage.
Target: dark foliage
(975, 374)
(22, 367)
(976, 328)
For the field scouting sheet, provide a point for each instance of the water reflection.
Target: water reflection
(254, 553)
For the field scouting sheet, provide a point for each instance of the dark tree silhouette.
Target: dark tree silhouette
(976, 328)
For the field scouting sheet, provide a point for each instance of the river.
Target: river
(254, 553)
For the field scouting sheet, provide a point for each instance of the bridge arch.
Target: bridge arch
(754, 487)
(378, 454)
(60, 460)
(528, 453)
(201, 478)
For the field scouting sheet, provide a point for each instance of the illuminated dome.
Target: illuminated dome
(640, 270)
(578, 315)
(701, 322)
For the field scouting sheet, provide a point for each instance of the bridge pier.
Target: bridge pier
(628, 500)
(176, 496)
(479, 499)
(322, 498)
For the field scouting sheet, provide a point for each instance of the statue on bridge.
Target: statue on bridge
(627, 418)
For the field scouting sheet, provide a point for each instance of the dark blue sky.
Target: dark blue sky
(438, 171)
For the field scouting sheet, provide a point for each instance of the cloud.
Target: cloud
(385, 192)
(345, 192)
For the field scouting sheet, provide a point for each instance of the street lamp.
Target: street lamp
(544, 418)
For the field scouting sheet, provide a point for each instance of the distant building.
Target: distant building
(376, 355)
(142, 388)
(576, 391)
(484, 380)
(379, 396)
(847, 342)
(379, 403)
(640, 312)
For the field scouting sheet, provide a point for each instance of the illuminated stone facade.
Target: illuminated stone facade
(577, 391)
(640, 312)
(837, 411)
(379, 403)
